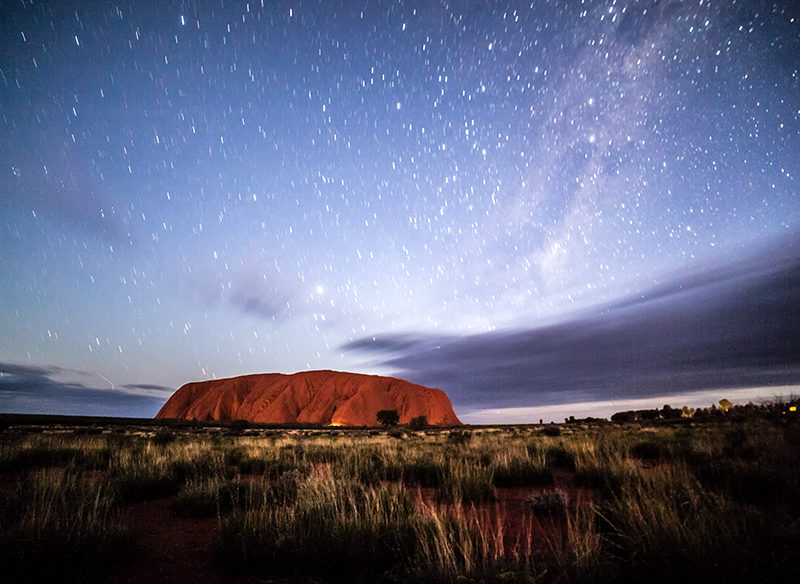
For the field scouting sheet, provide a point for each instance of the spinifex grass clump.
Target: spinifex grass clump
(332, 529)
(558, 456)
(339, 530)
(47, 451)
(465, 545)
(146, 470)
(650, 450)
(59, 527)
(218, 496)
(665, 528)
(368, 464)
(464, 482)
(522, 472)
(207, 497)
(423, 471)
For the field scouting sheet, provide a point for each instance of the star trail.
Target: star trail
(461, 193)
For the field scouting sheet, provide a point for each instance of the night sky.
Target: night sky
(525, 204)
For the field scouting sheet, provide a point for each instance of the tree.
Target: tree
(626, 416)
(388, 417)
(649, 414)
(725, 405)
(687, 412)
(418, 423)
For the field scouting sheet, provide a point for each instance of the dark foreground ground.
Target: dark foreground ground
(129, 501)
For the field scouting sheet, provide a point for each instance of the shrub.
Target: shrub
(239, 426)
(750, 481)
(316, 453)
(207, 497)
(649, 450)
(141, 474)
(624, 417)
(388, 417)
(551, 430)
(418, 423)
(88, 431)
(423, 472)
(522, 473)
(560, 457)
(43, 452)
(738, 444)
(365, 465)
(459, 436)
(549, 503)
(163, 437)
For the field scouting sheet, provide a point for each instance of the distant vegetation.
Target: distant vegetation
(725, 409)
(710, 498)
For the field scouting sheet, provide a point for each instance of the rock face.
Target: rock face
(317, 397)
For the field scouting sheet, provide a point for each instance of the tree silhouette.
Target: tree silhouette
(388, 417)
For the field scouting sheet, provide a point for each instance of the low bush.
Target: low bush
(163, 437)
(551, 430)
(459, 437)
(423, 472)
(207, 497)
(548, 503)
(649, 450)
(522, 473)
(560, 457)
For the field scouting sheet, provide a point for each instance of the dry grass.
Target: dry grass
(715, 501)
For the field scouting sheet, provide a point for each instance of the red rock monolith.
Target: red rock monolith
(314, 397)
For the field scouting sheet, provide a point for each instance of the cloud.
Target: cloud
(33, 389)
(148, 386)
(250, 288)
(32, 372)
(260, 291)
(730, 325)
(261, 294)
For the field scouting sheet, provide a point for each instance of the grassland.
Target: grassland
(715, 501)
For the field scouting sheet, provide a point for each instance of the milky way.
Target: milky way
(196, 190)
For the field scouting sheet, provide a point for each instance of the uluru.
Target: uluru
(329, 398)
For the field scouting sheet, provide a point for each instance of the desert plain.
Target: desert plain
(653, 496)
